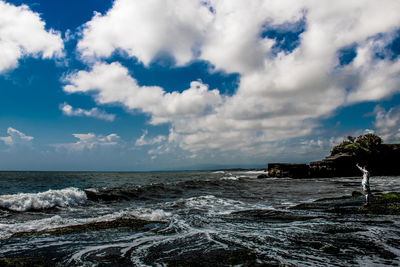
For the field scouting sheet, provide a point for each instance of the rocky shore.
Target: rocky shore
(380, 204)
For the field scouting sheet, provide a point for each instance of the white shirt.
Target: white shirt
(365, 180)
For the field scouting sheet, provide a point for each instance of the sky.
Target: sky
(139, 85)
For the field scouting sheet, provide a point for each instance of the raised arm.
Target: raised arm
(358, 166)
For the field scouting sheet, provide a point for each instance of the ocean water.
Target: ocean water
(196, 219)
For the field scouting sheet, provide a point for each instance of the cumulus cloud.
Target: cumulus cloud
(374, 78)
(387, 124)
(282, 94)
(16, 137)
(111, 83)
(23, 33)
(68, 110)
(90, 141)
(144, 29)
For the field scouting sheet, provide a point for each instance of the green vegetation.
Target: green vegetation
(362, 145)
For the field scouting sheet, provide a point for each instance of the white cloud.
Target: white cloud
(146, 28)
(280, 96)
(90, 141)
(23, 33)
(146, 141)
(16, 137)
(373, 78)
(387, 124)
(111, 83)
(94, 112)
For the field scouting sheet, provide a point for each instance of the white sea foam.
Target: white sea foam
(149, 214)
(234, 178)
(255, 172)
(43, 200)
(7, 229)
(213, 205)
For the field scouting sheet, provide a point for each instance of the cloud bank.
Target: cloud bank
(22, 34)
(90, 141)
(290, 56)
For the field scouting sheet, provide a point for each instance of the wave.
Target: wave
(43, 200)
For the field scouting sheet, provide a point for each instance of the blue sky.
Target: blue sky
(162, 85)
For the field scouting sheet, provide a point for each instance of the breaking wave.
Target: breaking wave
(43, 200)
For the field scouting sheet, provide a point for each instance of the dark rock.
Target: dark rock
(288, 170)
(335, 229)
(334, 166)
(330, 249)
(261, 176)
(123, 224)
(267, 216)
(356, 194)
(241, 256)
(23, 262)
(380, 204)
(382, 161)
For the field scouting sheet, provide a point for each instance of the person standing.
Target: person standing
(365, 183)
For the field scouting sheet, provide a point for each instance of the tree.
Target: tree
(351, 139)
(360, 147)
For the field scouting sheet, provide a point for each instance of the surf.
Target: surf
(43, 200)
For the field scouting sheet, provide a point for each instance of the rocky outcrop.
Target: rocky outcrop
(288, 170)
(382, 162)
(339, 165)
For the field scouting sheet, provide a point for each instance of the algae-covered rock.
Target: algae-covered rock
(379, 204)
(122, 224)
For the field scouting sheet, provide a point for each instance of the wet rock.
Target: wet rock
(108, 257)
(122, 224)
(307, 244)
(268, 216)
(288, 170)
(335, 229)
(262, 176)
(380, 204)
(23, 262)
(330, 249)
(356, 194)
(240, 257)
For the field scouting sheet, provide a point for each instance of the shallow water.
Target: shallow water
(208, 218)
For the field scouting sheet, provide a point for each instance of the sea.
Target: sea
(193, 218)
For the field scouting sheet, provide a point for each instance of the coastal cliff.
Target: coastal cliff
(380, 159)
